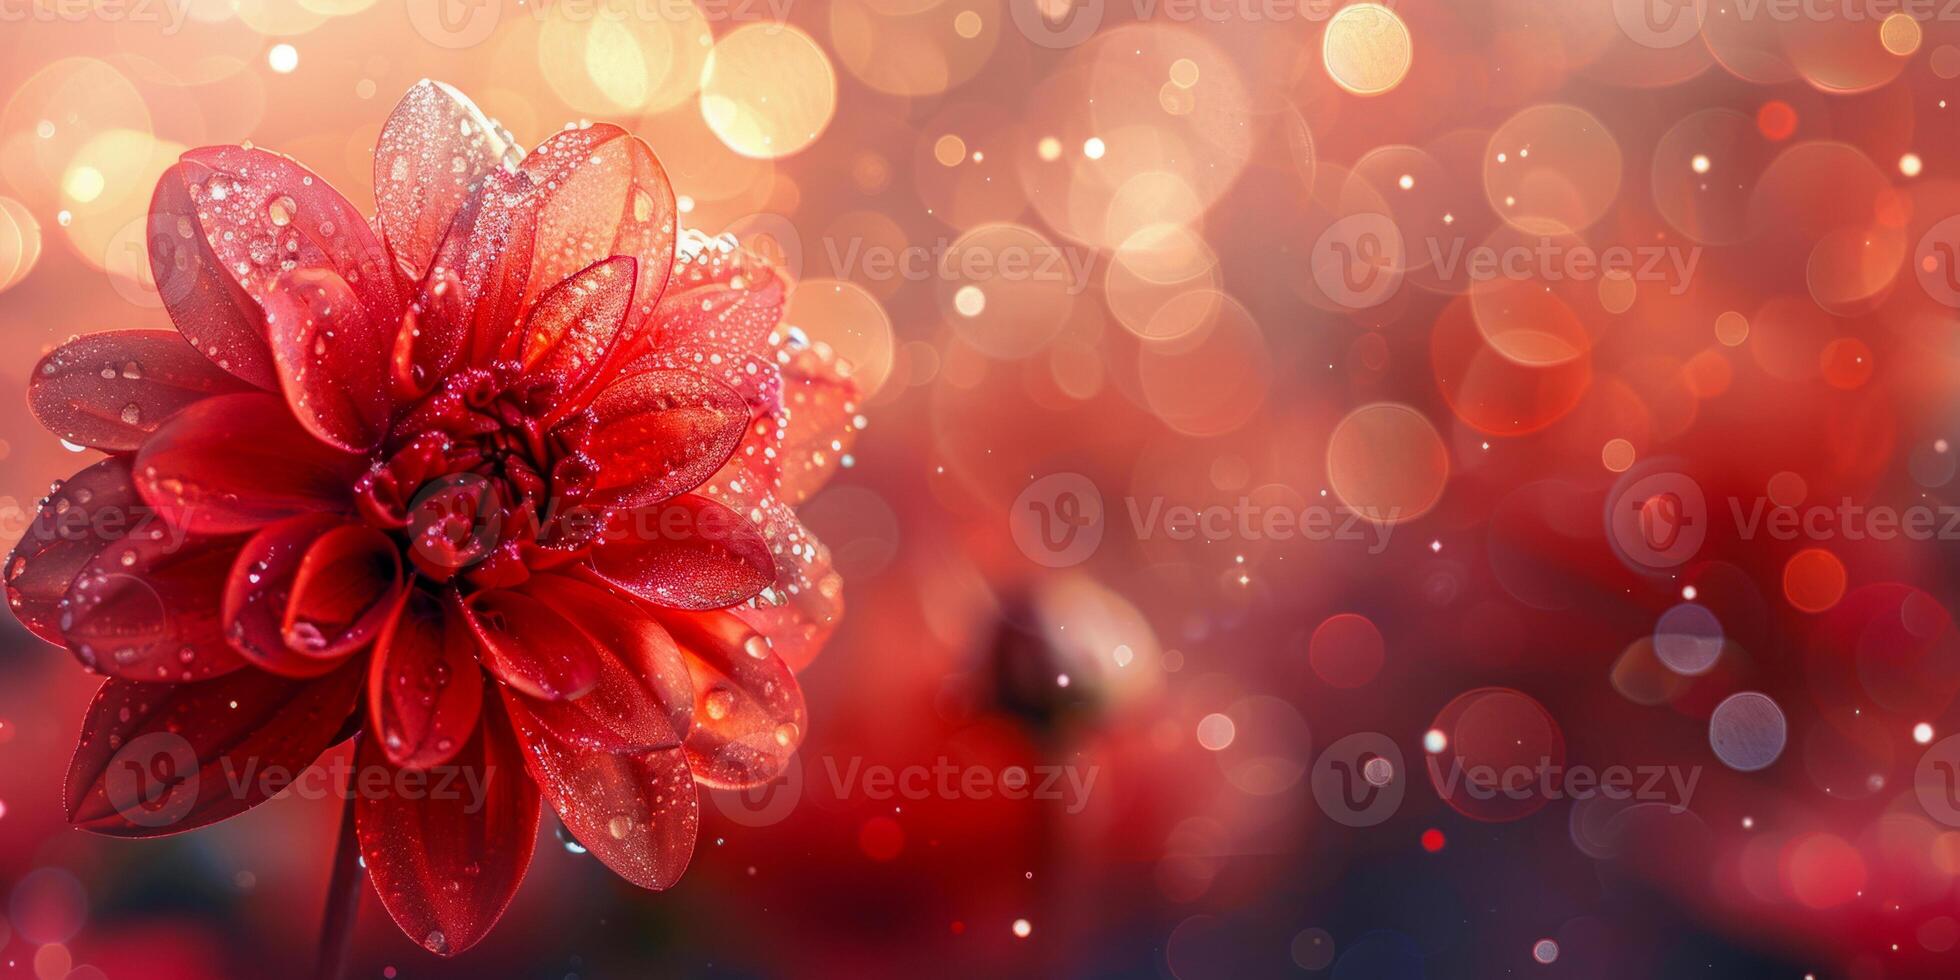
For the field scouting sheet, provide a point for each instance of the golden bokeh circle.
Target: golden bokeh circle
(1552, 169)
(1367, 49)
(767, 90)
(846, 316)
(1900, 34)
(1387, 463)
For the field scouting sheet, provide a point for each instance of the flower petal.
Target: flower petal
(661, 433)
(643, 699)
(819, 421)
(637, 812)
(158, 759)
(109, 391)
(150, 607)
(489, 255)
(446, 862)
(263, 214)
(803, 602)
(723, 303)
(685, 553)
(425, 689)
(86, 513)
(434, 151)
(333, 357)
(748, 713)
(531, 647)
(308, 591)
(239, 462)
(205, 302)
(257, 593)
(344, 591)
(605, 195)
(572, 329)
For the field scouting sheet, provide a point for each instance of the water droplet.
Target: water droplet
(281, 210)
(719, 703)
(303, 635)
(619, 826)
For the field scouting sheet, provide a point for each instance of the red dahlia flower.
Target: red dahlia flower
(501, 481)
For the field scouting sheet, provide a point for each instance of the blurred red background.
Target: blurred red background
(1104, 241)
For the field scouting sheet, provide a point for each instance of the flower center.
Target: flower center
(480, 480)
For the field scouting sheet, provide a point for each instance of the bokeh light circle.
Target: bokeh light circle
(1386, 462)
(767, 90)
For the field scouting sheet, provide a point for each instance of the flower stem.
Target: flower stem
(343, 898)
